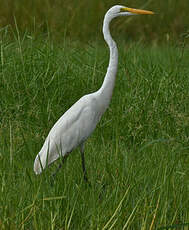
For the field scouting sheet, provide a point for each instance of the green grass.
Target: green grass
(137, 158)
(82, 21)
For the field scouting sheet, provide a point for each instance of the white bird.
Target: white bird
(77, 124)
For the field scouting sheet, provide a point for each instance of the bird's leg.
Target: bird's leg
(83, 163)
(63, 159)
(83, 166)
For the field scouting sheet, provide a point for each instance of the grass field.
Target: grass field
(82, 21)
(137, 159)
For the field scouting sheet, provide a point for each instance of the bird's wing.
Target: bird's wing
(76, 124)
(72, 128)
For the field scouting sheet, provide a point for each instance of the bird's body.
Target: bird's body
(78, 123)
(61, 139)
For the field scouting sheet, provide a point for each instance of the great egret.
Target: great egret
(78, 123)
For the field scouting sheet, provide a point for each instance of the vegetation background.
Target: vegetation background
(51, 53)
(82, 21)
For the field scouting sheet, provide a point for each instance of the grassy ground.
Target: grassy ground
(137, 159)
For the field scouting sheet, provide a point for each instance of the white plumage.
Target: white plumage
(72, 129)
(78, 123)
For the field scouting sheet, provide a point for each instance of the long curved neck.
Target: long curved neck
(107, 87)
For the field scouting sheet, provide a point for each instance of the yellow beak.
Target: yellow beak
(137, 11)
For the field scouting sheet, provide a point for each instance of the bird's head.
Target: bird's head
(119, 10)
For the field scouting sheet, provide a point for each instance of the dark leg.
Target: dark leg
(83, 166)
(83, 163)
(59, 167)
